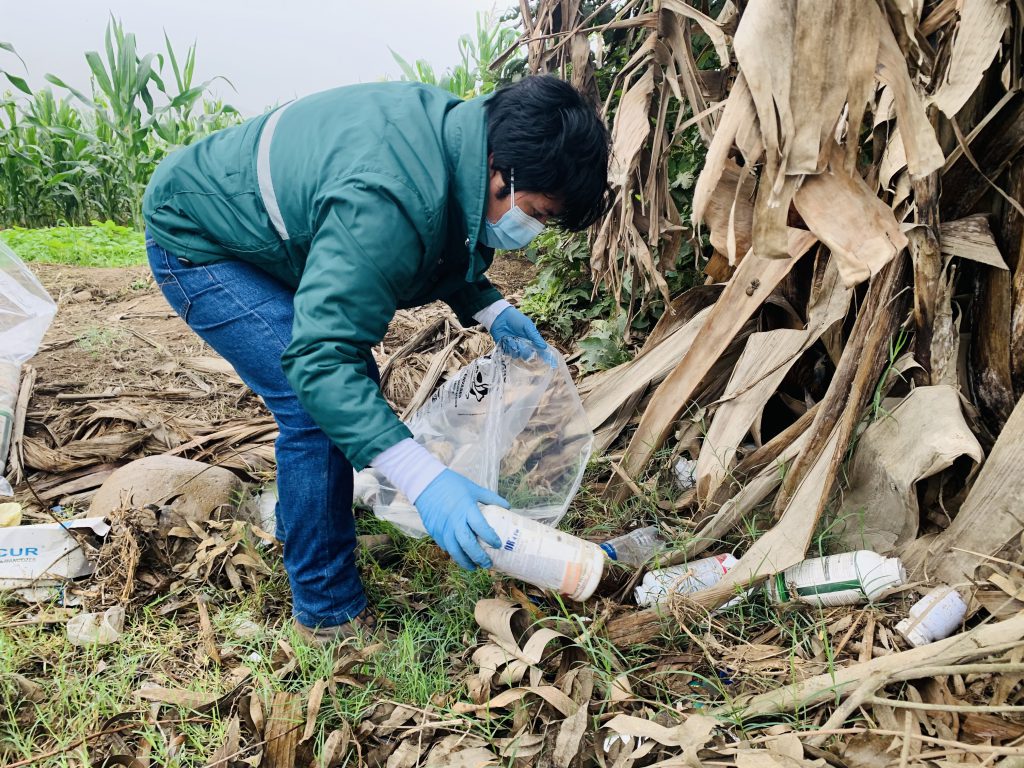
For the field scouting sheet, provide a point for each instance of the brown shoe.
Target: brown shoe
(363, 627)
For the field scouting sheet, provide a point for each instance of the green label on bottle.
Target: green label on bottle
(826, 589)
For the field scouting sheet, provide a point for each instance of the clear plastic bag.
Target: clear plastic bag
(514, 426)
(26, 311)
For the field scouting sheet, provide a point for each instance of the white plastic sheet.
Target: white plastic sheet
(514, 426)
(26, 311)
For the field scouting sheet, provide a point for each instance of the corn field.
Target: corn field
(71, 158)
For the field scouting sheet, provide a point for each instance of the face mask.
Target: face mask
(514, 230)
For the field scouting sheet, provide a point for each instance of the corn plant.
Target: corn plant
(474, 74)
(76, 157)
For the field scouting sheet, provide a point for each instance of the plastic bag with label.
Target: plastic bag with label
(511, 425)
(26, 311)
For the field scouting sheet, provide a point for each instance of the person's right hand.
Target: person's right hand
(450, 513)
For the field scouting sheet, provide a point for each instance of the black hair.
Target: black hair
(557, 143)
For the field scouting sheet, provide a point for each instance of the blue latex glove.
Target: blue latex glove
(448, 508)
(519, 337)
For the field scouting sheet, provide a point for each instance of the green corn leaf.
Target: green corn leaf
(102, 79)
(18, 83)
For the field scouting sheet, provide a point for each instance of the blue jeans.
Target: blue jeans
(246, 315)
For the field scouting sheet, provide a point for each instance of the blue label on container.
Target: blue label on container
(610, 551)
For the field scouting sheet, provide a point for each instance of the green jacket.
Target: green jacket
(365, 199)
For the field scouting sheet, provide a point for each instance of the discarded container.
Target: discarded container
(96, 628)
(635, 547)
(543, 556)
(10, 514)
(933, 617)
(846, 579)
(682, 579)
(34, 558)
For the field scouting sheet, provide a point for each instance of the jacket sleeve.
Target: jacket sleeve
(364, 249)
(470, 299)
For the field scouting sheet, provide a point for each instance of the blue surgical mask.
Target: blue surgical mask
(515, 229)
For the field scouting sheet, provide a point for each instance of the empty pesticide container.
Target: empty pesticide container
(846, 579)
(682, 579)
(636, 547)
(933, 617)
(542, 555)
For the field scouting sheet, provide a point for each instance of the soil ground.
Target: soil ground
(115, 329)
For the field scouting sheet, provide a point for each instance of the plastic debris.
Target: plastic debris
(515, 426)
(685, 471)
(636, 547)
(934, 617)
(10, 514)
(96, 628)
(682, 579)
(846, 579)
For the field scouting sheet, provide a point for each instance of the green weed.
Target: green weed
(95, 340)
(103, 244)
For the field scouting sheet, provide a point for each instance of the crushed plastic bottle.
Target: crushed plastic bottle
(543, 556)
(682, 579)
(636, 547)
(933, 617)
(847, 579)
(96, 628)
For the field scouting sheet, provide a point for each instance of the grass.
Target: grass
(426, 601)
(104, 244)
(424, 598)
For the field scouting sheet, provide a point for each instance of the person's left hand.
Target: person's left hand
(517, 335)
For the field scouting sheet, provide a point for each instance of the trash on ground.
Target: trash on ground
(100, 628)
(846, 579)
(636, 547)
(934, 617)
(701, 574)
(685, 471)
(34, 558)
(10, 514)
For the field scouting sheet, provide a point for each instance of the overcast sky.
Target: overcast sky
(271, 50)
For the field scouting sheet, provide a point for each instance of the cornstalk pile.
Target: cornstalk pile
(855, 361)
(861, 198)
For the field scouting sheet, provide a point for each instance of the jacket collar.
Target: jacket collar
(465, 145)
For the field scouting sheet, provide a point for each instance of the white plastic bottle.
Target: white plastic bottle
(846, 579)
(933, 617)
(636, 547)
(542, 555)
(682, 579)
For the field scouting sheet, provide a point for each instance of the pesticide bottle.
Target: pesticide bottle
(933, 617)
(636, 547)
(846, 579)
(543, 556)
(682, 579)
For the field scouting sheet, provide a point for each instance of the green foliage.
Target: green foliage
(559, 298)
(473, 75)
(73, 158)
(103, 244)
(603, 347)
